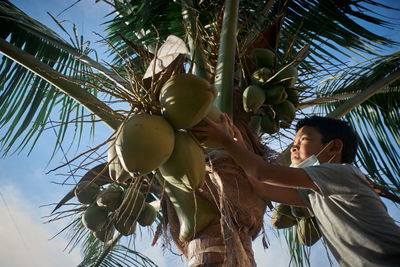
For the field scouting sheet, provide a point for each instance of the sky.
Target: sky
(26, 189)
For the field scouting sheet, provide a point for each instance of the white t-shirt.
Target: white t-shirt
(351, 216)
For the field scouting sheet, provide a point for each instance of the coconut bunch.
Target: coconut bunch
(154, 142)
(114, 208)
(162, 144)
(148, 142)
(306, 228)
(271, 97)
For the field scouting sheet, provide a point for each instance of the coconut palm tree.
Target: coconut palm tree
(41, 72)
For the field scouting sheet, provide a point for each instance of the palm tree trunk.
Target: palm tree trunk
(228, 243)
(210, 250)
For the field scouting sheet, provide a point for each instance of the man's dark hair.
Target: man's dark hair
(331, 129)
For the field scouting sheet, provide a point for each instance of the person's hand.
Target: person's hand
(237, 135)
(220, 133)
(215, 132)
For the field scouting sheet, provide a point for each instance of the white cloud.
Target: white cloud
(25, 239)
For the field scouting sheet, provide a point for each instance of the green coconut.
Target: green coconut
(262, 57)
(194, 212)
(115, 168)
(255, 124)
(95, 218)
(285, 124)
(86, 192)
(300, 212)
(282, 217)
(307, 231)
(261, 76)
(125, 225)
(127, 214)
(185, 100)
(253, 98)
(111, 198)
(147, 216)
(287, 76)
(293, 96)
(275, 94)
(106, 234)
(186, 166)
(268, 124)
(144, 143)
(286, 111)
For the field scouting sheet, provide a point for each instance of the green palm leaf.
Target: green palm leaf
(26, 100)
(376, 120)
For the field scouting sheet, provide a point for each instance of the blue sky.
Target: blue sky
(24, 185)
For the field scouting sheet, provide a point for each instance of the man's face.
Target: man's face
(306, 143)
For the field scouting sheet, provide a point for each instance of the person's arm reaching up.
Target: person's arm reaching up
(251, 163)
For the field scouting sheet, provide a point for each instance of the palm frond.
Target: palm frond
(333, 27)
(26, 100)
(145, 23)
(376, 120)
(121, 255)
(300, 255)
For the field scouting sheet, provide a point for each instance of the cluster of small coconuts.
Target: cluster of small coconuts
(144, 144)
(271, 96)
(307, 230)
(114, 208)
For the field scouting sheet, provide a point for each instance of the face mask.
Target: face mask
(313, 160)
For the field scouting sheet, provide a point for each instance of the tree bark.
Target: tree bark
(228, 243)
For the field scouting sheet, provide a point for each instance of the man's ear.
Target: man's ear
(336, 148)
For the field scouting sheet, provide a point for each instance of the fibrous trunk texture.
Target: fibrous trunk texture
(228, 243)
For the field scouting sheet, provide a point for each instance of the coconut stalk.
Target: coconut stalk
(226, 58)
(196, 53)
(62, 82)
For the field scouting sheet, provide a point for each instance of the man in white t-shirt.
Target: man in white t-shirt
(352, 218)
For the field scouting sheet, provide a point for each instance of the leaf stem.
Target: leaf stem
(226, 58)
